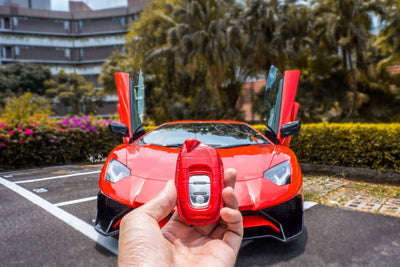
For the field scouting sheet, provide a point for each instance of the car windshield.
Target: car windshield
(218, 135)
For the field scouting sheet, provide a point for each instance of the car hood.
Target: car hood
(151, 166)
(159, 163)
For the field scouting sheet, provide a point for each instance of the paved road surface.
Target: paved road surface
(46, 218)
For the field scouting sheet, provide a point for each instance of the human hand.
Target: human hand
(142, 242)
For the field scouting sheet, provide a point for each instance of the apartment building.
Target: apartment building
(76, 41)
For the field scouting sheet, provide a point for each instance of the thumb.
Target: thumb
(162, 204)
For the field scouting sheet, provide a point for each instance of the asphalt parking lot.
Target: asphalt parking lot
(46, 218)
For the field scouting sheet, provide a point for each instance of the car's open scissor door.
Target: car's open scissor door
(131, 104)
(280, 107)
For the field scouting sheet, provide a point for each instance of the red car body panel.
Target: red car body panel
(288, 109)
(124, 105)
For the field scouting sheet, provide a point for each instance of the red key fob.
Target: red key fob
(199, 181)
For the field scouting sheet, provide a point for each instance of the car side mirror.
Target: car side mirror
(290, 128)
(119, 129)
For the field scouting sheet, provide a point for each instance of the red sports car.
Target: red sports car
(269, 182)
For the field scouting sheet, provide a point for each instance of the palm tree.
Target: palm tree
(260, 21)
(348, 23)
(203, 45)
(296, 35)
(390, 34)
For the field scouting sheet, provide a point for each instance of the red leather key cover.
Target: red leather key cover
(199, 181)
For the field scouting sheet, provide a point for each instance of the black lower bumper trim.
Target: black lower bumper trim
(109, 212)
(287, 216)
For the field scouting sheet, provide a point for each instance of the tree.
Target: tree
(260, 22)
(195, 54)
(23, 77)
(74, 93)
(146, 34)
(187, 51)
(390, 34)
(348, 26)
(301, 34)
(204, 50)
(117, 62)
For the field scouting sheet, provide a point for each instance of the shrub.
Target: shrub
(26, 108)
(83, 139)
(78, 139)
(375, 146)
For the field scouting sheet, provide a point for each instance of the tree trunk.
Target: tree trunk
(354, 84)
(344, 55)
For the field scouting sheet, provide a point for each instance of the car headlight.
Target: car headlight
(279, 174)
(116, 171)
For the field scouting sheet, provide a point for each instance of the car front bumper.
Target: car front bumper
(283, 222)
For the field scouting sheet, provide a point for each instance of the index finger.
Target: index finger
(230, 177)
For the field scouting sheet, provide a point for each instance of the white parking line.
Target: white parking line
(108, 242)
(55, 177)
(308, 205)
(75, 201)
(35, 169)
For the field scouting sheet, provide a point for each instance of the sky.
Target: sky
(62, 5)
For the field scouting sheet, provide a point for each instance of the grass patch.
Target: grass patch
(311, 195)
(376, 190)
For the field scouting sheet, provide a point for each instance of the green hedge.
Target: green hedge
(375, 146)
(73, 140)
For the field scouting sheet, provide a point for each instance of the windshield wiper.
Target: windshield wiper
(172, 145)
(230, 146)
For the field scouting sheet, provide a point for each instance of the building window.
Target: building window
(66, 25)
(81, 53)
(5, 23)
(67, 53)
(7, 52)
(15, 21)
(80, 25)
(16, 51)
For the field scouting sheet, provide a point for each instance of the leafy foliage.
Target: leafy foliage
(374, 146)
(196, 54)
(18, 78)
(77, 139)
(74, 93)
(189, 59)
(26, 108)
(117, 62)
(23, 77)
(83, 139)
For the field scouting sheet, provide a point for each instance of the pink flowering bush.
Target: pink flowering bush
(69, 140)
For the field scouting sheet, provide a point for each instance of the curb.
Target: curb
(353, 173)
